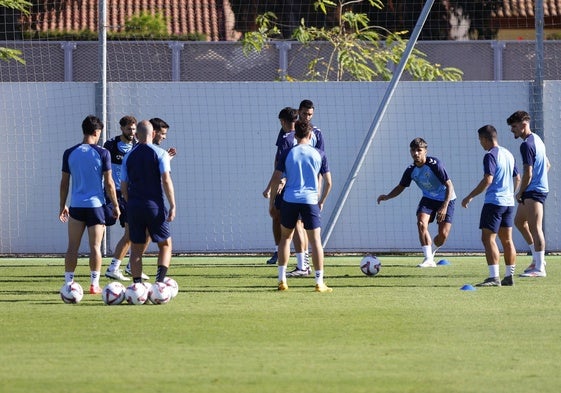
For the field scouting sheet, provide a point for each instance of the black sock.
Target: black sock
(137, 280)
(161, 273)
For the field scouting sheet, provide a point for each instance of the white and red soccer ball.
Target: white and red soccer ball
(113, 293)
(160, 293)
(370, 265)
(71, 293)
(136, 293)
(172, 284)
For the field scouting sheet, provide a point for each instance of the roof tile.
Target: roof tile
(525, 8)
(214, 18)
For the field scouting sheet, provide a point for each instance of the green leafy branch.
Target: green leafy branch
(355, 50)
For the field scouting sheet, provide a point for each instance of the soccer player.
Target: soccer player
(89, 166)
(437, 201)
(160, 134)
(118, 147)
(303, 198)
(533, 191)
(145, 178)
(305, 114)
(287, 117)
(161, 129)
(500, 180)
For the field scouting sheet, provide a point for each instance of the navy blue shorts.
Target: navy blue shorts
(90, 215)
(278, 200)
(153, 220)
(430, 207)
(122, 208)
(292, 212)
(535, 195)
(494, 217)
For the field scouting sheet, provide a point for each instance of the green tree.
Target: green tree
(356, 50)
(23, 7)
(147, 25)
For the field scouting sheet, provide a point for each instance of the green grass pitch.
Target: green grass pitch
(229, 330)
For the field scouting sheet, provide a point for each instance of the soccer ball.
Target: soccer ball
(370, 265)
(113, 293)
(159, 293)
(172, 284)
(71, 293)
(136, 293)
(147, 285)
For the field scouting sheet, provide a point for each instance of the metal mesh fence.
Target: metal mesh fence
(153, 61)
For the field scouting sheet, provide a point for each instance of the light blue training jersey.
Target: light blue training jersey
(86, 165)
(499, 163)
(430, 177)
(302, 165)
(533, 154)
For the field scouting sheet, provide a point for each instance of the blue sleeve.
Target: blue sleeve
(105, 159)
(319, 137)
(287, 144)
(124, 172)
(528, 153)
(65, 166)
(280, 138)
(489, 164)
(438, 169)
(406, 178)
(324, 164)
(281, 162)
(65, 156)
(165, 162)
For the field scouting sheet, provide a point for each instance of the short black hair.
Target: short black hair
(308, 104)
(302, 129)
(158, 123)
(418, 143)
(488, 132)
(288, 114)
(127, 121)
(90, 124)
(518, 117)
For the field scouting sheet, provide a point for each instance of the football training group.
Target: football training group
(129, 180)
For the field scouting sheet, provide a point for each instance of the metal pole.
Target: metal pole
(536, 103)
(376, 123)
(101, 95)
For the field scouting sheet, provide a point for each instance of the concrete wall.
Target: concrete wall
(225, 133)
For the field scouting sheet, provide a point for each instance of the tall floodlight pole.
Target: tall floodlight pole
(536, 103)
(376, 122)
(101, 88)
(102, 61)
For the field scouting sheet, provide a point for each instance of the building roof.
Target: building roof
(525, 9)
(214, 18)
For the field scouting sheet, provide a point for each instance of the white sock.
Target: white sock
(68, 277)
(510, 270)
(435, 250)
(532, 251)
(427, 252)
(282, 273)
(539, 259)
(319, 276)
(94, 278)
(301, 260)
(115, 264)
(493, 271)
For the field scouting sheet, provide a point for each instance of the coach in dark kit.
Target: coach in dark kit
(145, 178)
